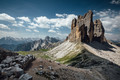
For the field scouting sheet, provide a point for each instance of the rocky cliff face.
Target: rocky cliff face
(84, 29)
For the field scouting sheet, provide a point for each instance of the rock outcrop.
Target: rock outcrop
(12, 65)
(84, 29)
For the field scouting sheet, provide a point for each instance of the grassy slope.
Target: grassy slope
(70, 57)
(73, 55)
(37, 54)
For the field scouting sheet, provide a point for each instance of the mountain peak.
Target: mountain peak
(84, 29)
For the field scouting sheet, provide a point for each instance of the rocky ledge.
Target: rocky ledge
(83, 29)
(12, 65)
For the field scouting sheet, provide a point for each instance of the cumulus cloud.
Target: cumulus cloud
(35, 30)
(3, 26)
(62, 34)
(28, 30)
(32, 27)
(7, 33)
(115, 2)
(52, 31)
(53, 24)
(112, 36)
(109, 18)
(60, 21)
(26, 19)
(6, 17)
(111, 23)
(61, 15)
(18, 24)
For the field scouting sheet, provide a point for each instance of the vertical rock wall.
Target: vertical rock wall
(84, 29)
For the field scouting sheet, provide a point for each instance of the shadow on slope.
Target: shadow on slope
(103, 46)
(88, 60)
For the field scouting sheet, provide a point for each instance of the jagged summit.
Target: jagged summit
(84, 29)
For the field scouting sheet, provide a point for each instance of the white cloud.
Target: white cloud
(6, 17)
(24, 18)
(52, 31)
(44, 22)
(16, 34)
(3, 26)
(112, 36)
(53, 24)
(62, 35)
(35, 30)
(18, 24)
(61, 15)
(109, 18)
(7, 33)
(57, 28)
(115, 2)
(33, 24)
(32, 27)
(111, 23)
(28, 30)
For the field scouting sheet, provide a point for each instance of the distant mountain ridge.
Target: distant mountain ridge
(27, 44)
(47, 43)
(15, 41)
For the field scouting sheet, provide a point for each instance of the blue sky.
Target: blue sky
(40, 18)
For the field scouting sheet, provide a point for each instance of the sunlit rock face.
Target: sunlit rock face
(84, 29)
(98, 31)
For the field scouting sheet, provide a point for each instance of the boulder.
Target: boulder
(4, 53)
(12, 65)
(18, 71)
(25, 77)
(7, 60)
(7, 72)
(2, 65)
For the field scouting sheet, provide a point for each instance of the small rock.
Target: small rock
(50, 68)
(41, 66)
(18, 65)
(54, 74)
(57, 62)
(52, 77)
(49, 60)
(25, 77)
(35, 69)
(0, 69)
(7, 65)
(40, 72)
(18, 59)
(11, 77)
(2, 65)
(41, 61)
